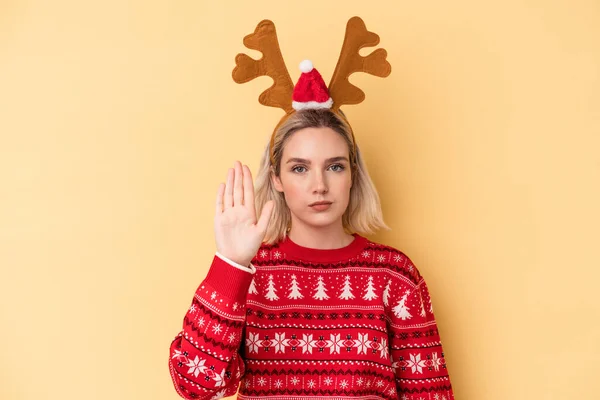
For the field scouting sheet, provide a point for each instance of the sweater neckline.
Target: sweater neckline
(295, 251)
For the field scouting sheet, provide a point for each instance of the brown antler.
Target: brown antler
(357, 37)
(264, 39)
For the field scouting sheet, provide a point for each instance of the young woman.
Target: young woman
(297, 302)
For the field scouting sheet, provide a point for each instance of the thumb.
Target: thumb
(265, 216)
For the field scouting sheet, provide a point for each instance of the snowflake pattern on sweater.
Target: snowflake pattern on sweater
(355, 322)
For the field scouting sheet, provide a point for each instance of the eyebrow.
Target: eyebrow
(302, 160)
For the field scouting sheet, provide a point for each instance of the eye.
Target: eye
(334, 167)
(296, 168)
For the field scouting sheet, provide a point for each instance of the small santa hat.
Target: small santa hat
(310, 91)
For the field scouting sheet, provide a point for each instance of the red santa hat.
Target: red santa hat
(310, 91)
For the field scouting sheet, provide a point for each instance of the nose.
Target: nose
(320, 183)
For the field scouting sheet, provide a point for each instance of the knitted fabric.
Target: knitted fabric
(354, 322)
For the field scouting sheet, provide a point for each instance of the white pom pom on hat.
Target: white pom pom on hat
(306, 66)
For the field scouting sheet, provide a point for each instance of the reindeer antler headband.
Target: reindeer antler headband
(310, 91)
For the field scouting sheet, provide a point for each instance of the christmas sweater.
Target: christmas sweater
(354, 322)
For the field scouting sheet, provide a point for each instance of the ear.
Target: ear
(276, 181)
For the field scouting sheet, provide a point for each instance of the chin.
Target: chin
(318, 220)
(322, 220)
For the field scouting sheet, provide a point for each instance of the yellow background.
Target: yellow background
(118, 121)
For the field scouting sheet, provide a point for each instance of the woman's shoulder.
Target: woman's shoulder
(394, 259)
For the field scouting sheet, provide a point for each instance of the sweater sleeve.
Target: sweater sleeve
(204, 360)
(415, 346)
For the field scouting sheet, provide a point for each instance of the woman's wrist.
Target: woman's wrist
(244, 266)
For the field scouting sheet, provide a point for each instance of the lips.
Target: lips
(320, 203)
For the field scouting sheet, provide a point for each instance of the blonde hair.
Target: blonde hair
(363, 214)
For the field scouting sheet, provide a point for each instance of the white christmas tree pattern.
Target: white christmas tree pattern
(370, 293)
(401, 310)
(347, 292)
(320, 294)
(253, 287)
(295, 290)
(271, 290)
(386, 293)
(423, 313)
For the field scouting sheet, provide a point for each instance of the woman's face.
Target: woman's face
(315, 168)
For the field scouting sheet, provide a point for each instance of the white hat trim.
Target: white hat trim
(311, 104)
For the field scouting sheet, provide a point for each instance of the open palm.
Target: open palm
(238, 234)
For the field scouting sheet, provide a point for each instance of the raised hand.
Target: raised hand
(238, 234)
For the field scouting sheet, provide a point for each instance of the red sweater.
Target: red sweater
(354, 322)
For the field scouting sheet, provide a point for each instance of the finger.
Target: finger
(238, 185)
(219, 205)
(265, 216)
(248, 189)
(229, 189)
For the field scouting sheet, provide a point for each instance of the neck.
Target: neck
(333, 237)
